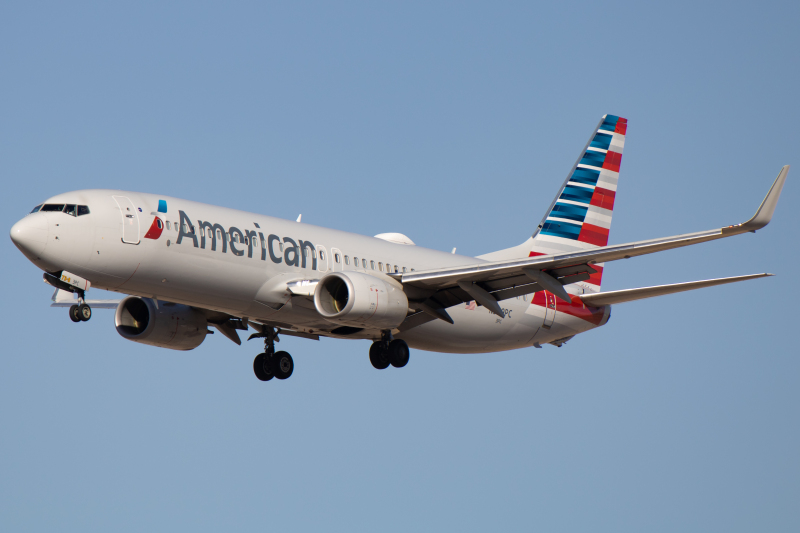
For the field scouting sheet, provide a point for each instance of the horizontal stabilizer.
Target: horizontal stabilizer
(630, 295)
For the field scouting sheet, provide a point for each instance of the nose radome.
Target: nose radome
(30, 234)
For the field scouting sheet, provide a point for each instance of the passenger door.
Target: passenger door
(549, 309)
(130, 220)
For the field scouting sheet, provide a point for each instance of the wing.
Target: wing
(432, 291)
(62, 298)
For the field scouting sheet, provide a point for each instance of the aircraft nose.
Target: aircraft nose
(30, 235)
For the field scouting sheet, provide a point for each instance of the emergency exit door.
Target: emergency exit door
(130, 220)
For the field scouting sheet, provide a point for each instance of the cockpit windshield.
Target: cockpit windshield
(70, 209)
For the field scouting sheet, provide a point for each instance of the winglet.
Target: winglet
(767, 207)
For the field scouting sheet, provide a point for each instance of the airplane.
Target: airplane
(186, 267)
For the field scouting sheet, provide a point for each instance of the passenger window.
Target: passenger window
(404, 269)
(355, 261)
(83, 210)
(168, 226)
(35, 209)
(380, 266)
(412, 270)
(347, 260)
(337, 258)
(372, 264)
(364, 263)
(321, 255)
(395, 268)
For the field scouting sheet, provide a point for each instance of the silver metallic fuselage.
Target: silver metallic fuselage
(186, 272)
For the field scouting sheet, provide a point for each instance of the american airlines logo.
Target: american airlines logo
(292, 252)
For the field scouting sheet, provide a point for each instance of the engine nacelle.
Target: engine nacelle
(361, 300)
(173, 326)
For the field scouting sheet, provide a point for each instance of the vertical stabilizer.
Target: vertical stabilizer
(579, 218)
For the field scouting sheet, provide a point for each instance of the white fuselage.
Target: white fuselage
(240, 281)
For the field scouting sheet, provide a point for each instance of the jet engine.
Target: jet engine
(168, 325)
(358, 299)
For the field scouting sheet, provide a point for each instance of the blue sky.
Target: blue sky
(453, 123)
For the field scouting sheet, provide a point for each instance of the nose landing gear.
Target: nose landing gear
(388, 351)
(81, 312)
(271, 364)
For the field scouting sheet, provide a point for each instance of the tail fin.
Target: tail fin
(579, 218)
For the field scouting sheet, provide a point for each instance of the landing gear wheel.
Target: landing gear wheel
(73, 314)
(282, 365)
(84, 312)
(379, 354)
(262, 367)
(398, 353)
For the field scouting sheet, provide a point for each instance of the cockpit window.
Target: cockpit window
(70, 209)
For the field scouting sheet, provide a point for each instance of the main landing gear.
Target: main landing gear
(81, 312)
(271, 364)
(388, 351)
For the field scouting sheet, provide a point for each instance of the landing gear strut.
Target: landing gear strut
(388, 351)
(271, 363)
(81, 312)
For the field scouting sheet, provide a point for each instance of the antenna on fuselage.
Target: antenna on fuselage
(299, 217)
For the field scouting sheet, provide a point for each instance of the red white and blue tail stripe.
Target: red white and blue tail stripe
(580, 216)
